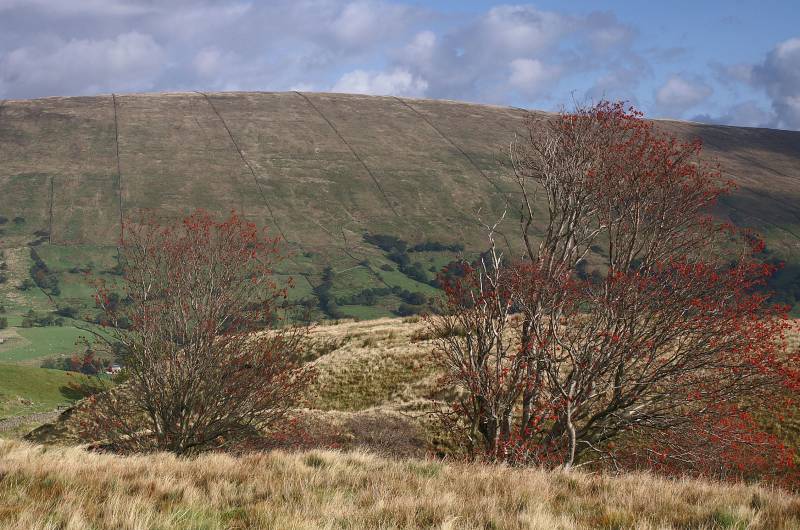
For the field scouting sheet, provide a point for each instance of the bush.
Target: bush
(433, 246)
(323, 291)
(43, 276)
(67, 312)
(386, 242)
(405, 310)
(221, 385)
(34, 319)
(3, 322)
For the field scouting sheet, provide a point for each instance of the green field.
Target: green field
(28, 345)
(25, 390)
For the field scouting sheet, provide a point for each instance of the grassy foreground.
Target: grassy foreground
(43, 488)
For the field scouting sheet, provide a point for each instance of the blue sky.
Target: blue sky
(713, 61)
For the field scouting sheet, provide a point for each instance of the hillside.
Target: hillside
(374, 391)
(375, 385)
(322, 170)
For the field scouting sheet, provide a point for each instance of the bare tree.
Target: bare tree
(208, 361)
(668, 334)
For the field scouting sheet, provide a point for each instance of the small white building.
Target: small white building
(113, 369)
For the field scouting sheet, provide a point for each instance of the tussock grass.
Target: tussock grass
(72, 489)
(375, 364)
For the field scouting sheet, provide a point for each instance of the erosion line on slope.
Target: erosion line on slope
(255, 179)
(471, 162)
(119, 169)
(246, 163)
(50, 223)
(753, 161)
(353, 151)
(452, 143)
(367, 265)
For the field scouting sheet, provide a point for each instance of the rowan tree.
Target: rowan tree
(208, 360)
(646, 361)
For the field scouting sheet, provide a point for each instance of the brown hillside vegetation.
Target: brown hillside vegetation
(320, 168)
(374, 391)
(71, 489)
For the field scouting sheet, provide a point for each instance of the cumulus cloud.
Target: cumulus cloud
(678, 94)
(398, 82)
(515, 52)
(81, 7)
(532, 76)
(202, 44)
(779, 75)
(507, 54)
(131, 61)
(364, 22)
(383, 46)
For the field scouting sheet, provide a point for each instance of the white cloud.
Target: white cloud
(512, 53)
(522, 29)
(130, 61)
(603, 31)
(208, 62)
(531, 76)
(678, 94)
(398, 82)
(81, 7)
(779, 75)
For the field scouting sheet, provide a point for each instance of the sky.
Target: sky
(715, 61)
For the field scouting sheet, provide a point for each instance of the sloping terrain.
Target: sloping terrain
(322, 170)
(375, 387)
(371, 401)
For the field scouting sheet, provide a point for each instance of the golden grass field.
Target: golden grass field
(68, 488)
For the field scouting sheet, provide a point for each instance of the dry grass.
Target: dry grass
(375, 364)
(72, 489)
(372, 379)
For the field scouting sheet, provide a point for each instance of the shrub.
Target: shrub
(645, 366)
(198, 292)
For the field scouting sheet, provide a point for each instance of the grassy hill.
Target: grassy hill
(320, 169)
(374, 391)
